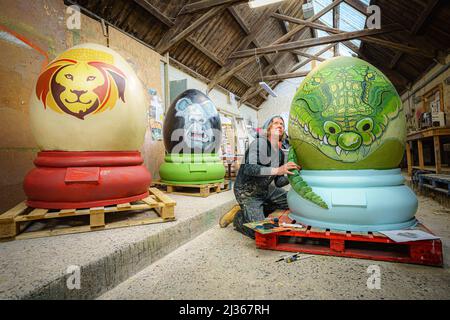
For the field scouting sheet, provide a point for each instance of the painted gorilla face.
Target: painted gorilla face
(192, 124)
(197, 125)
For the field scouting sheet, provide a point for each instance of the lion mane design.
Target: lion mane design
(81, 82)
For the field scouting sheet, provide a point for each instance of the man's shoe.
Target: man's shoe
(228, 217)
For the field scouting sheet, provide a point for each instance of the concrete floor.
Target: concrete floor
(222, 264)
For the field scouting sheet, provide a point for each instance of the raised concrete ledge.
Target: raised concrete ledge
(37, 268)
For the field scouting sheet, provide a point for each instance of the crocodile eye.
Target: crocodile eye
(364, 125)
(331, 127)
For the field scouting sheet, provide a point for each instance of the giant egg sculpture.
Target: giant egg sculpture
(192, 134)
(88, 116)
(347, 131)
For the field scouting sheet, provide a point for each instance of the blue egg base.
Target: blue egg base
(358, 200)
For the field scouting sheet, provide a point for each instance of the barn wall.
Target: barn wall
(32, 33)
(413, 110)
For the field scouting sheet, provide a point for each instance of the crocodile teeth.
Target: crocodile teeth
(325, 140)
(306, 128)
(365, 150)
(338, 150)
(346, 152)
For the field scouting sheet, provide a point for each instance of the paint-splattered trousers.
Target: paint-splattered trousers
(257, 208)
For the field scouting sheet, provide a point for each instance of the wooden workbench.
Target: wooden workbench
(418, 137)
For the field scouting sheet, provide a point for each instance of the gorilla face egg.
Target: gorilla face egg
(346, 114)
(192, 124)
(88, 99)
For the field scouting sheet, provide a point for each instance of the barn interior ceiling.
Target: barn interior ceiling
(232, 46)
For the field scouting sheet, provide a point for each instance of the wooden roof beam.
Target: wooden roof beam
(305, 62)
(155, 12)
(316, 42)
(225, 74)
(428, 53)
(358, 5)
(206, 4)
(174, 36)
(416, 27)
(247, 30)
(336, 18)
(307, 55)
(288, 75)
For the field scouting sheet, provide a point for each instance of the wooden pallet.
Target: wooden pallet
(360, 245)
(15, 223)
(437, 182)
(195, 190)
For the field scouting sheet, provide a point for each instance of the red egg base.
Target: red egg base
(86, 179)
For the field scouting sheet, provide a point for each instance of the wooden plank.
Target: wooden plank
(124, 205)
(287, 75)
(316, 42)
(66, 212)
(97, 217)
(416, 27)
(174, 36)
(437, 154)
(155, 12)
(162, 197)
(151, 202)
(385, 43)
(420, 151)
(223, 75)
(36, 214)
(307, 55)
(14, 212)
(336, 18)
(206, 4)
(305, 62)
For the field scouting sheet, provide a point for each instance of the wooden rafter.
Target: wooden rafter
(358, 5)
(173, 36)
(247, 30)
(206, 4)
(318, 41)
(226, 74)
(305, 62)
(288, 75)
(428, 53)
(255, 30)
(336, 18)
(155, 12)
(307, 55)
(416, 27)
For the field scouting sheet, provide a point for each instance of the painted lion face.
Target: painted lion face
(82, 82)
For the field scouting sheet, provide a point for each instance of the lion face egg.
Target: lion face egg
(88, 99)
(346, 114)
(192, 124)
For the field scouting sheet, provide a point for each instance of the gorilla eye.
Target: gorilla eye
(69, 76)
(364, 125)
(90, 78)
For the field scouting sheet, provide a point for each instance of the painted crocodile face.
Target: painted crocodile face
(343, 108)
